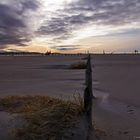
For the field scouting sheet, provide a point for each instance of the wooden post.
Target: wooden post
(88, 106)
(88, 95)
(89, 76)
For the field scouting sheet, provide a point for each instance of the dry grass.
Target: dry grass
(78, 65)
(47, 118)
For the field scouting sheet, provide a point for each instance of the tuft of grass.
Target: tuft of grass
(78, 99)
(47, 118)
(78, 65)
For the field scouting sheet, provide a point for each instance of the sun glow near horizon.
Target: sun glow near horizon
(70, 25)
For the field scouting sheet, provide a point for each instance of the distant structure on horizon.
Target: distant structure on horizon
(19, 53)
(48, 53)
(136, 52)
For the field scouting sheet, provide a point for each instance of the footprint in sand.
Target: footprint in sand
(130, 111)
(123, 132)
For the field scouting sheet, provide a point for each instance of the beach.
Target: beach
(116, 109)
(40, 75)
(116, 86)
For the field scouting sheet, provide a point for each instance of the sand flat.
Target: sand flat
(117, 108)
(119, 75)
(36, 75)
(115, 84)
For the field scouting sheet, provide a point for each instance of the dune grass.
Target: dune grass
(46, 118)
(79, 65)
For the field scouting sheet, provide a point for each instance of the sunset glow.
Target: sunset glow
(70, 25)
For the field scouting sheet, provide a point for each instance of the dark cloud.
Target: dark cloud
(27, 5)
(13, 28)
(106, 12)
(79, 14)
(7, 39)
(9, 17)
(59, 27)
(30, 4)
(55, 26)
(67, 47)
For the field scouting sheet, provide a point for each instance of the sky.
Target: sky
(70, 25)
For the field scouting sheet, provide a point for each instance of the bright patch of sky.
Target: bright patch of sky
(69, 24)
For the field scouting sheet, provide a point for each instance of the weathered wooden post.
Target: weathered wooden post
(89, 76)
(88, 106)
(88, 95)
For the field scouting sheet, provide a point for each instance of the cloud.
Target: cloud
(67, 47)
(29, 4)
(13, 24)
(80, 14)
(126, 33)
(54, 27)
(62, 23)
